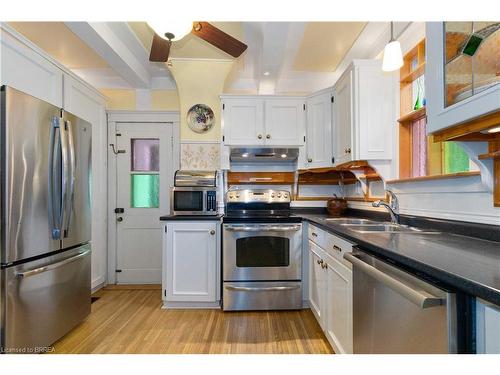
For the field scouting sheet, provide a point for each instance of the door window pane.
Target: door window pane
(145, 155)
(263, 251)
(144, 191)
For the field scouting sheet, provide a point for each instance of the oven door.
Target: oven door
(270, 252)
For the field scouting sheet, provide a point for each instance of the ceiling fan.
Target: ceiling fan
(162, 40)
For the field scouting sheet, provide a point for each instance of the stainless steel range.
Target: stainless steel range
(262, 252)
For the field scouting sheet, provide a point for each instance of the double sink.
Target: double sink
(371, 226)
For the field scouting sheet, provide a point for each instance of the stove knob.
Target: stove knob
(285, 196)
(279, 195)
(237, 195)
(272, 195)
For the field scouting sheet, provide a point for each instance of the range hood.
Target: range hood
(264, 155)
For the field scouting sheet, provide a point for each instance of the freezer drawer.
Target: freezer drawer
(44, 300)
(397, 313)
(262, 295)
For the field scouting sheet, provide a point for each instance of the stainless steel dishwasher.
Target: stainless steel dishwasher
(395, 312)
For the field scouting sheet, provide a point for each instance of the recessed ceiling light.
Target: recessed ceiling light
(267, 73)
(245, 155)
(283, 155)
(496, 129)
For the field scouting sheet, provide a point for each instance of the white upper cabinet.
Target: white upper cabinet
(284, 121)
(365, 112)
(343, 118)
(243, 121)
(263, 121)
(319, 130)
(473, 88)
(26, 70)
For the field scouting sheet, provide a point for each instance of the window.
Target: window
(144, 175)
(419, 155)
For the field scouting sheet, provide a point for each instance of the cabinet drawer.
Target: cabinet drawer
(316, 235)
(337, 247)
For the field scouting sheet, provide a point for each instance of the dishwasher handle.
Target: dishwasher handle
(420, 298)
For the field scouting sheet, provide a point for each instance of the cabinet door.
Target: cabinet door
(343, 119)
(338, 316)
(319, 131)
(243, 121)
(284, 122)
(26, 70)
(317, 286)
(190, 263)
(375, 114)
(488, 327)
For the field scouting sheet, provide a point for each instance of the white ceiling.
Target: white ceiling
(292, 54)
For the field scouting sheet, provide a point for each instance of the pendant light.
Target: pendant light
(393, 57)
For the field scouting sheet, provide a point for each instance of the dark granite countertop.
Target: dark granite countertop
(467, 264)
(191, 217)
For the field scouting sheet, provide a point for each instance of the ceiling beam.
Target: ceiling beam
(117, 44)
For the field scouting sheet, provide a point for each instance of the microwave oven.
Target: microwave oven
(195, 200)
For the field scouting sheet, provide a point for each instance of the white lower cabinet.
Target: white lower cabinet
(317, 286)
(330, 288)
(191, 259)
(338, 318)
(487, 328)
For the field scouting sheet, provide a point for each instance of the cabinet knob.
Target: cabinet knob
(259, 136)
(268, 136)
(212, 232)
(119, 219)
(309, 160)
(349, 150)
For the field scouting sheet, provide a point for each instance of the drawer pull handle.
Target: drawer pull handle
(335, 247)
(320, 261)
(314, 234)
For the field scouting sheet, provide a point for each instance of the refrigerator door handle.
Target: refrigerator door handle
(36, 271)
(65, 177)
(54, 216)
(71, 176)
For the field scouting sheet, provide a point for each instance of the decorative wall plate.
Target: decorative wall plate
(200, 118)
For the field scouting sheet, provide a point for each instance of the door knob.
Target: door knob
(268, 136)
(309, 160)
(212, 232)
(119, 219)
(259, 136)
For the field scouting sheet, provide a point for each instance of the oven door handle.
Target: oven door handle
(262, 289)
(289, 228)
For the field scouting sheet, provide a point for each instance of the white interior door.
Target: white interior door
(144, 172)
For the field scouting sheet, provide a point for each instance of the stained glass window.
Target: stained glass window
(144, 190)
(145, 155)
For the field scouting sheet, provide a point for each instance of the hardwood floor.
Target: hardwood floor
(131, 321)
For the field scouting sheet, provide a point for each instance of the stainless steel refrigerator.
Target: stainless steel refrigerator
(45, 195)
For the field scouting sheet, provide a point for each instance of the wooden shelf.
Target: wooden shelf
(413, 115)
(490, 155)
(414, 74)
(435, 177)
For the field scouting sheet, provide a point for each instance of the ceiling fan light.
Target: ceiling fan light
(393, 57)
(178, 28)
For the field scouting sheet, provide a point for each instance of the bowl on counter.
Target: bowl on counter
(336, 206)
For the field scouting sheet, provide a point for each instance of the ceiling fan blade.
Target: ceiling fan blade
(219, 38)
(160, 49)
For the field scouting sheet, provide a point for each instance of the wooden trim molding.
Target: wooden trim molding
(470, 128)
(435, 177)
(260, 178)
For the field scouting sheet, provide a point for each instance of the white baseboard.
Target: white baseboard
(98, 283)
(190, 305)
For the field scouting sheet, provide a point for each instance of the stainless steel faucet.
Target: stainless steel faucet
(392, 207)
